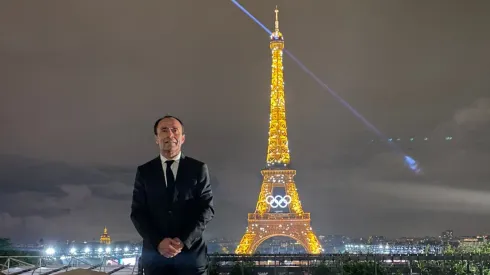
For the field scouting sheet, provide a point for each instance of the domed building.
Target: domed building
(105, 238)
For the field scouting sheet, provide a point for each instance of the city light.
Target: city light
(412, 139)
(73, 250)
(50, 251)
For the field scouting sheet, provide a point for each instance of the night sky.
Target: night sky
(82, 83)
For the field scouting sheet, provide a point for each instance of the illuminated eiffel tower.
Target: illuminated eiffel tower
(278, 214)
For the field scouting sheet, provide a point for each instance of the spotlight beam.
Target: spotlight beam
(409, 161)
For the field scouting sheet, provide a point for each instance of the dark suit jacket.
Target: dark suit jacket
(185, 216)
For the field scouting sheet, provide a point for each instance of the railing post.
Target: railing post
(140, 267)
(481, 265)
(308, 265)
(39, 265)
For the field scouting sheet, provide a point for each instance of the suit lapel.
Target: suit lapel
(180, 176)
(181, 169)
(159, 175)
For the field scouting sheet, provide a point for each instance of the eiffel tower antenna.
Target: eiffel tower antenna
(277, 19)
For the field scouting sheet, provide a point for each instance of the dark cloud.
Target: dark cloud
(45, 213)
(28, 174)
(54, 193)
(23, 174)
(81, 91)
(36, 191)
(113, 191)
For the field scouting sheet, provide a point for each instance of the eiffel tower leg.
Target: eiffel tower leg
(262, 206)
(311, 242)
(295, 205)
(247, 243)
(300, 231)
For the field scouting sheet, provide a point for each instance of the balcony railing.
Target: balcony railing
(279, 216)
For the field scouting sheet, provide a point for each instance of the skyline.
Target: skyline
(106, 238)
(96, 239)
(79, 110)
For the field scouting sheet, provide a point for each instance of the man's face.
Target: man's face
(170, 136)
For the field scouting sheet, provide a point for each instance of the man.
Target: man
(172, 203)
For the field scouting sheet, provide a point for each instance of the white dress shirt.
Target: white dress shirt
(174, 166)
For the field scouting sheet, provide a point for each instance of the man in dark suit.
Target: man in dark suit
(172, 203)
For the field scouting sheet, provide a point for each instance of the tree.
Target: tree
(213, 268)
(322, 269)
(242, 268)
(361, 268)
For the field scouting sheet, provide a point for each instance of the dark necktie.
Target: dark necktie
(170, 178)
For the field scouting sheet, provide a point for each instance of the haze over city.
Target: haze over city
(83, 82)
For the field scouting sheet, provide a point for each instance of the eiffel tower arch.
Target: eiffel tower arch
(278, 211)
(258, 242)
(278, 215)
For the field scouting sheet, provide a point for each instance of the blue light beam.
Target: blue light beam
(409, 161)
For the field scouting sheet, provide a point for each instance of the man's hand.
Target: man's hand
(168, 248)
(177, 243)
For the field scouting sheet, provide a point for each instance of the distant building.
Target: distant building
(355, 248)
(469, 240)
(447, 235)
(105, 238)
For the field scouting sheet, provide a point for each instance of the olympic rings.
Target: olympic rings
(278, 201)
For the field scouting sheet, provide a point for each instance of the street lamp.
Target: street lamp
(50, 251)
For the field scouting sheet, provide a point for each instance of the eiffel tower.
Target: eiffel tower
(278, 214)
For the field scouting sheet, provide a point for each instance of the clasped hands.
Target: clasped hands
(169, 247)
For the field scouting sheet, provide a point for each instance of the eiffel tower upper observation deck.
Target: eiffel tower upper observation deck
(278, 213)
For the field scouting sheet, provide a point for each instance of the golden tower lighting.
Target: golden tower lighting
(278, 215)
(105, 238)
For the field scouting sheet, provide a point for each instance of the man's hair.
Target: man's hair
(167, 116)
